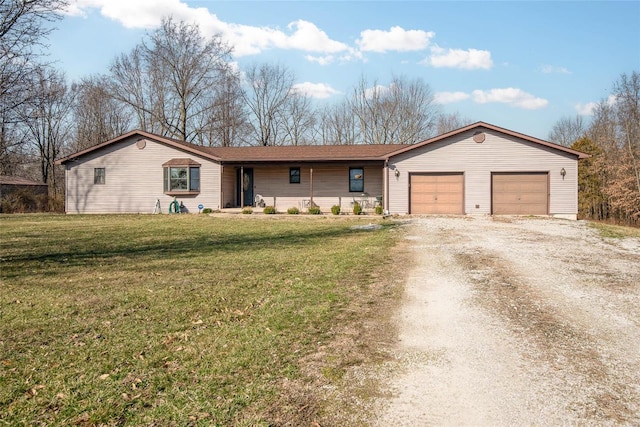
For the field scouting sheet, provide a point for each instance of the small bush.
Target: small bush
(335, 209)
(207, 210)
(293, 211)
(379, 210)
(315, 210)
(247, 211)
(26, 201)
(357, 209)
(269, 210)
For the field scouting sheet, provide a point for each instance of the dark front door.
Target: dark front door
(245, 187)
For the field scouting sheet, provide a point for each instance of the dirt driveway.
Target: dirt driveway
(516, 321)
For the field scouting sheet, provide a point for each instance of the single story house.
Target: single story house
(478, 169)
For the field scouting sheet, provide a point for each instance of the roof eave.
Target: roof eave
(579, 154)
(144, 135)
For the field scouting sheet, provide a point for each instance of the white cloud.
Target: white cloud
(457, 58)
(306, 36)
(396, 39)
(511, 96)
(550, 69)
(316, 90)
(586, 109)
(245, 39)
(377, 90)
(450, 97)
(321, 60)
(589, 108)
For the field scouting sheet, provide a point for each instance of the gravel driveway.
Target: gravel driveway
(516, 321)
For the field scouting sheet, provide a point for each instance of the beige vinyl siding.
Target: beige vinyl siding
(228, 187)
(134, 180)
(330, 184)
(498, 153)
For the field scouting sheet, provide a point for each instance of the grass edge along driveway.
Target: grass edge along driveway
(181, 320)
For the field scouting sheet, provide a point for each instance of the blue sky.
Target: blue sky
(519, 65)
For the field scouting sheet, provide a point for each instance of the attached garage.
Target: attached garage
(437, 193)
(483, 169)
(520, 193)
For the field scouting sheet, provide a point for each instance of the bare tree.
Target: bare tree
(627, 94)
(298, 119)
(336, 125)
(402, 113)
(615, 131)
(46, 120)
(24, 27)
(227, 123)
(269, 89)
(170, 80)
(449, 122)
(568, 130)
(98, 116)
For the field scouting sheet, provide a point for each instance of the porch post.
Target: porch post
(221, 187)
(242, 186)
(311, 186)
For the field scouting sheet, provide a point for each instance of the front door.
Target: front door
(245, 187)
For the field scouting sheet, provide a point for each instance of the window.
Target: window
(356, 180)
(294, 175)
(182, 179)
(99, 176)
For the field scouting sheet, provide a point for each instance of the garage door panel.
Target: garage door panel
(520, 193)
(437, 193)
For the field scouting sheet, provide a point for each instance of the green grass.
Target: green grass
(170, 320)
(615, 231)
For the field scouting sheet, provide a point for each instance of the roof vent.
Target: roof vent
(141, 143)
(479, 137)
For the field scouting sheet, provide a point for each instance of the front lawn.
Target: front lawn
(176, 320)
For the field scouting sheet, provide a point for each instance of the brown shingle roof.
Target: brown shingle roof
(300, 153)
(311, 153)
(303, 153)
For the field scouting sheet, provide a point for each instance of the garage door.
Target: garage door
(520, 193)
(441, 193)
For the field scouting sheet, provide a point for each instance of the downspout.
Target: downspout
(311, 187)
(66, 189)
(221, 187)
(385, 177)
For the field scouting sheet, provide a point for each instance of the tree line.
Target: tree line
(608, 181)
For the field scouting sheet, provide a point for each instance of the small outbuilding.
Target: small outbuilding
(22, 193)
(478, 169)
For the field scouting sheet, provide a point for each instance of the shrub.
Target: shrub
(293, 211)
(315, 210)
(247, 211)
(379, 210)
(24, 200)
(207, 210)
(335, 209)
(357, 209)
(269, 210)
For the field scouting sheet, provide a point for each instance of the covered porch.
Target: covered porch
(303, 185)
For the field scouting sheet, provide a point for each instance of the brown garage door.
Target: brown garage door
(520, 193)
(441, 193)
